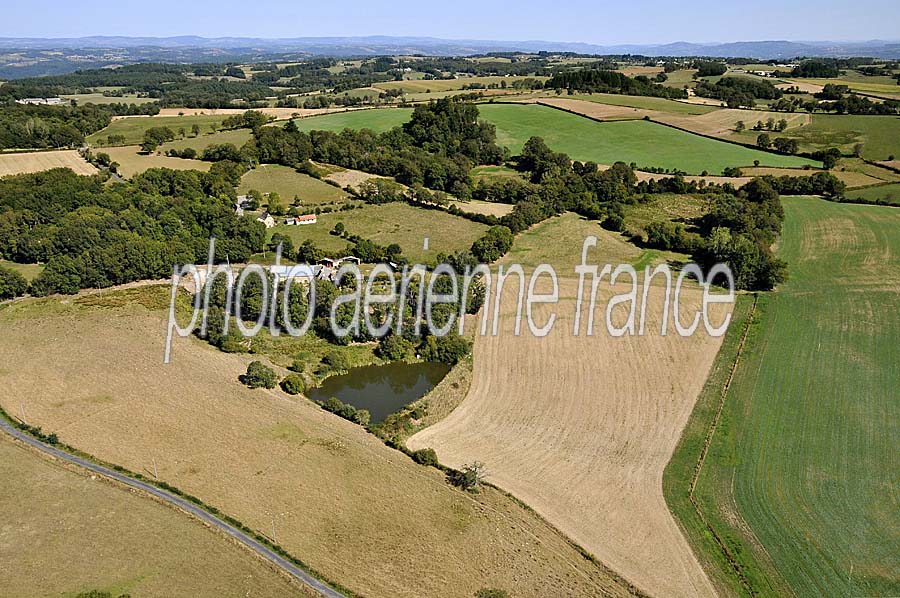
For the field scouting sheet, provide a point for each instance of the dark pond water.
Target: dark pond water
(382, 389)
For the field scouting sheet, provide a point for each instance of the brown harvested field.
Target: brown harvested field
(347, 177)
(131, 162)
(25, 162)
(721, 123)
(580, 429)
(101, 536)
(633, 71)
(803, 86)
(596, 109)
(346, 504)
(695, 99)
(891, 164)
(487, 208)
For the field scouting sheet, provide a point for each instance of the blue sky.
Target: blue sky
(635, 21)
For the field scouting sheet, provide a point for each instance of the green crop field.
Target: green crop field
(889, 193)
(645, 143)
(801, 477)
(378, 120)
(392, 223)
(288, 183)
(133, 127)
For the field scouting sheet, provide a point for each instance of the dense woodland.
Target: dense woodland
(93, 235)
(28, 126)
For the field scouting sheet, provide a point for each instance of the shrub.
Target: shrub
(467, 478)
(259, 376)
(293, 384)
(362, 417)
(394, 348)
(335, 361)
(491, 593)
(445, 349)
(12, 284)
(426, 456)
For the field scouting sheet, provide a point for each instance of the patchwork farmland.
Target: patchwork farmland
(760, 463)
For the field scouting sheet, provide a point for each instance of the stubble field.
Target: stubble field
(581, 428)
(26, 162)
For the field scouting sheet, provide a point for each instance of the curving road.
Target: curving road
(181, 503)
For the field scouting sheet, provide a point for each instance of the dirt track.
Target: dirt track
(581, 428)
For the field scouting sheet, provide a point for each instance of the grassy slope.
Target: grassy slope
(133, 127)
(805, 454)
(29, 271)
(647, 144)
(889, 192)
(392, 223)
(349, 506)
(377, 120)
(287, 182)
(65, 532)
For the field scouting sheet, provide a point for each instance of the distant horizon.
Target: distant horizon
(579, 21)
(452, 39)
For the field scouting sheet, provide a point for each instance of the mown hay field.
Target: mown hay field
(131, 162)
(25, 162)
(98, 536)
(581, 427)
(645, 143)
(392, 223)
(289, 183)
(236, 137)
(338, 498)
(801, 476)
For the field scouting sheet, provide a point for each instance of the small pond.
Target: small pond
(382, 389)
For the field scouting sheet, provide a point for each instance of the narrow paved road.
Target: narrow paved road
(181, 503)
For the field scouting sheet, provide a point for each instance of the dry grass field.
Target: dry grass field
(721, 123)
(350, 507)
(131, 162)
(104, 537)
(21, 163)
(487, 208)
(289, 183)
(581, 428)
(598, 110)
